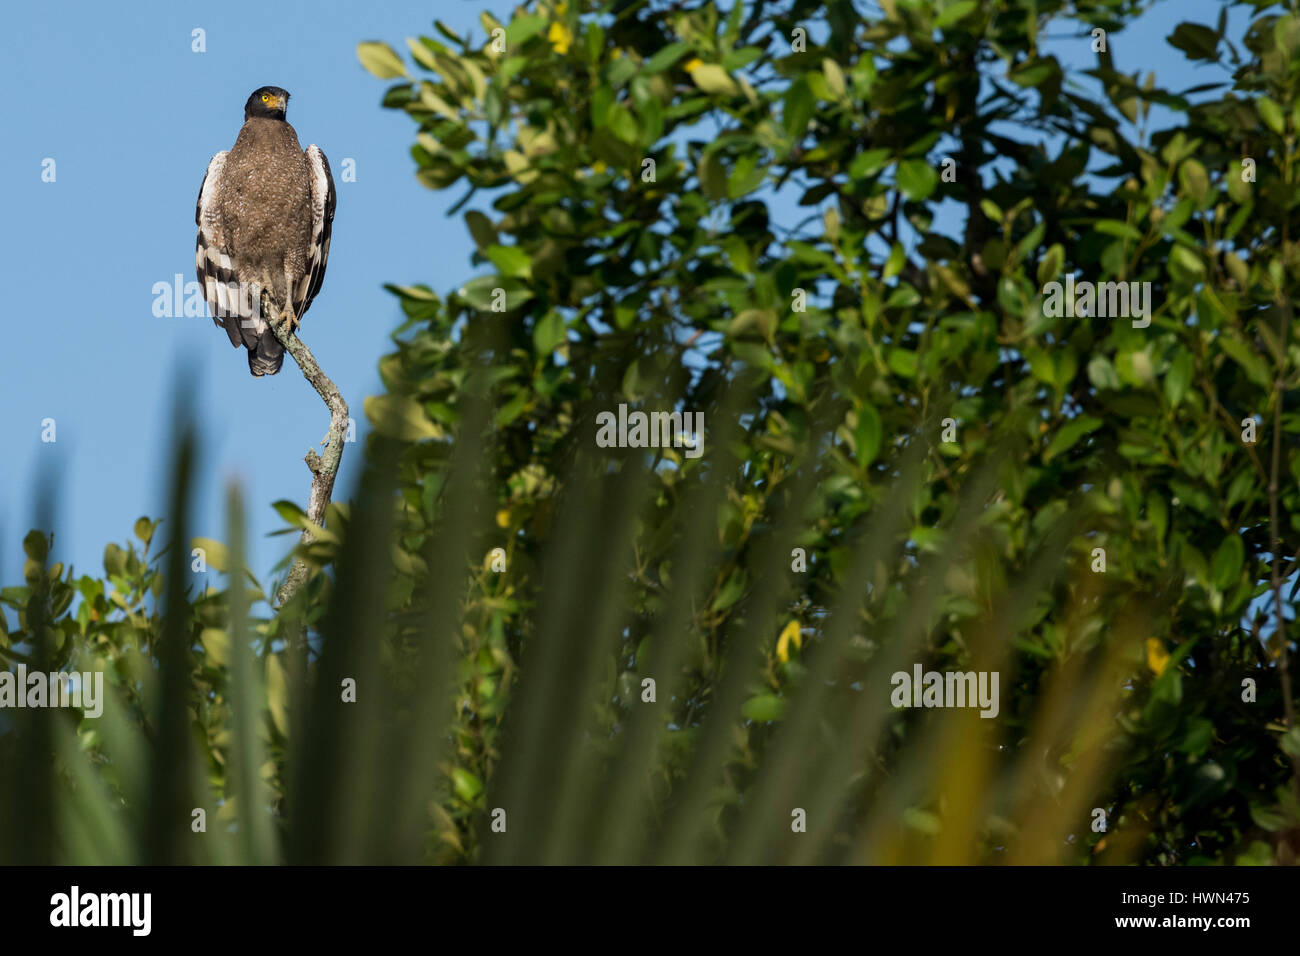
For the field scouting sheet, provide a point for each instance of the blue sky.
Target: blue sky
(131, 115)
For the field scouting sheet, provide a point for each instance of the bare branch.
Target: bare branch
(324, 468)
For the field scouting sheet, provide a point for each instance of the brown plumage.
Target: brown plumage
(264, 214)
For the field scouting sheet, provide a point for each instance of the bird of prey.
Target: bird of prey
(264, 214)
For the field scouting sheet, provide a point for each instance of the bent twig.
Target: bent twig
(324, 468)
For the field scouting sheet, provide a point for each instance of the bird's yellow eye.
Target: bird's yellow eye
(266, 97)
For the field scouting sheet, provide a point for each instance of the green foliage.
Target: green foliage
(667, 285)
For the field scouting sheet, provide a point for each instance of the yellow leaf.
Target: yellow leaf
(217, 643)
(503, 518)
(711, 78)
(1157, 656)
(517, 166)
(834, 77)
(791, 633)
(421, 54)
(436, 103)
(399, 417)
(277, 693)
(380, 60)
(213, 553)
(561, 38)
(692, 64)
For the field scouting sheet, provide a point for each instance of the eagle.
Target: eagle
(265, 212)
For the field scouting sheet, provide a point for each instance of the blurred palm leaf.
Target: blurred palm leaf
(370, 781)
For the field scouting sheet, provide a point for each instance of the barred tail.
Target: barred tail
(266, 355)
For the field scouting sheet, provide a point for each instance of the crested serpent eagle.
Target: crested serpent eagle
(264, 215)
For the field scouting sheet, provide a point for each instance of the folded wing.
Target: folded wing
(233, 308)
(318, 249)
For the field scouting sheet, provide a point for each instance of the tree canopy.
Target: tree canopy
(849, 238)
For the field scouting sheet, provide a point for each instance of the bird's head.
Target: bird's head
(269, 102)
